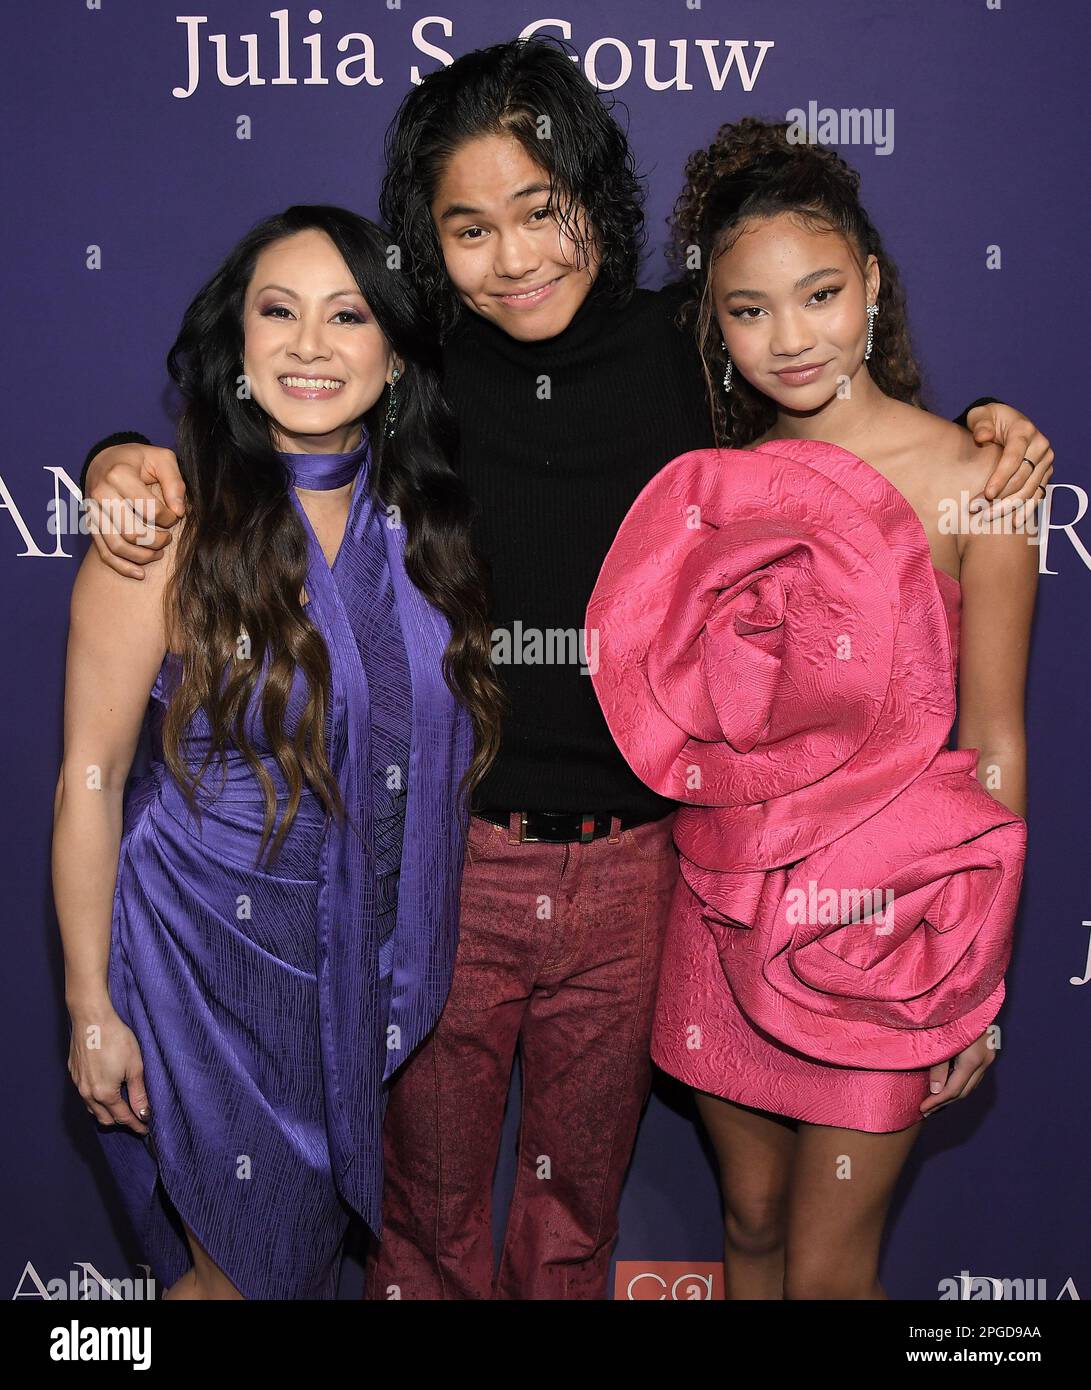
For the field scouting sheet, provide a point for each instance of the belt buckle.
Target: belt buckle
(586, 835)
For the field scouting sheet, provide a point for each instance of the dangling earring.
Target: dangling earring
(872, 310)
(392, 404)
(728, 369)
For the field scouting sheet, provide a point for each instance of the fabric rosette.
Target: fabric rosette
(887, 948)
(775, 654)
(772, 644)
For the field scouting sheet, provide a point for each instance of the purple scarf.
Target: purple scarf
(361, 1050)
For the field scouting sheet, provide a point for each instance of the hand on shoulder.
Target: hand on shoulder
(136, 495)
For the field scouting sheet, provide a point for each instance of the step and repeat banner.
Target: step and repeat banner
(144, 136)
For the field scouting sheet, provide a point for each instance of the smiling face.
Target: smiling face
(315, 358)
(791, 304)
(506, 255)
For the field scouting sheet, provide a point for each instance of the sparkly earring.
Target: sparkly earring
(872, 310)
(392, 404)
(728, 369)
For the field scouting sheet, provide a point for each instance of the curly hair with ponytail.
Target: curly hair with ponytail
(753, 171)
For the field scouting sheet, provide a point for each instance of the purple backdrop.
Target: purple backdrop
(979, 138)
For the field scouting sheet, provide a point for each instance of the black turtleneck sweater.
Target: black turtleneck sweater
(557, 439)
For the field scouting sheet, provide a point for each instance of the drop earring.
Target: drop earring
(872, 310)
(392, 404)
(728, 369)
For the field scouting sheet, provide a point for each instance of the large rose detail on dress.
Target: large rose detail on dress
(775, 653)
(770, 647)
(897, 934)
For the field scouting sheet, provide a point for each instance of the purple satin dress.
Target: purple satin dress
(272, 1003)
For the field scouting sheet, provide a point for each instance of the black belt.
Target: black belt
(556, 826)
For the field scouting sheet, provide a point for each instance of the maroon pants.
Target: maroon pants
(558, 954)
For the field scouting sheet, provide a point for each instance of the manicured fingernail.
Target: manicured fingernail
(934, 1086)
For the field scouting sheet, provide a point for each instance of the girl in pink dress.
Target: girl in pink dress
(780, 625)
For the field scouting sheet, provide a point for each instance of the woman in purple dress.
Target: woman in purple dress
(263, 928)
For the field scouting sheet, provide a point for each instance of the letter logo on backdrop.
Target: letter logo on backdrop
(350, 72)
(609, 62)
(668, 1281)
(1048, 525)
(1083, 979)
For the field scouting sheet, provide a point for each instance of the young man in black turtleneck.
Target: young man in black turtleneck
(511, 191)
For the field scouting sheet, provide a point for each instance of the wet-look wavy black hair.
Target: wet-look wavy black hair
(524, 89)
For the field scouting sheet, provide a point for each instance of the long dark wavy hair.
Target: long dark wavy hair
(510, 89)
(242, 555)
(752, 170)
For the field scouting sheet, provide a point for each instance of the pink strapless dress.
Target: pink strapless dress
(778, 653)
(702, 1037)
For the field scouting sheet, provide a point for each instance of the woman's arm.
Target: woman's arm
(104, 706)
(999, 578)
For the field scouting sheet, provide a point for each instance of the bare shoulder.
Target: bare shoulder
(944, 452)
(968, 465)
